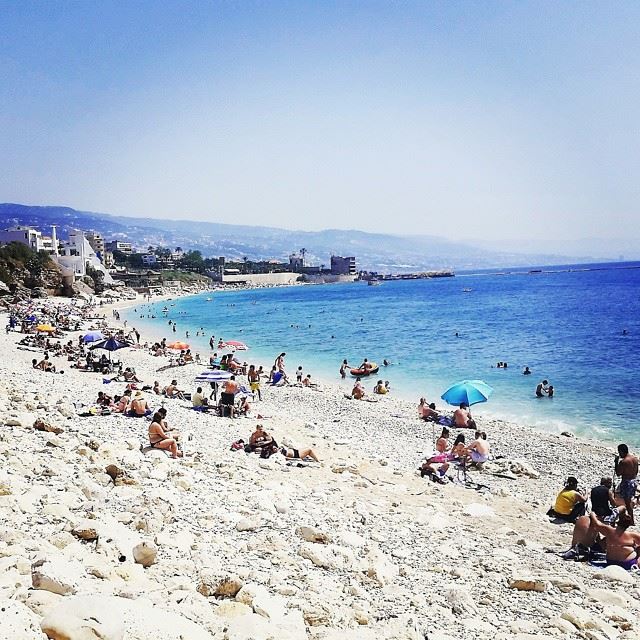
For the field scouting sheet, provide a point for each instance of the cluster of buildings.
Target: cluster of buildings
(340, 266)
(74, 255)
(88, 250)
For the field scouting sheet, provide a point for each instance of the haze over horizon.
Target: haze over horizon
(500, 124)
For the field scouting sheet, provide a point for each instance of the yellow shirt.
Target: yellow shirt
(565, 502)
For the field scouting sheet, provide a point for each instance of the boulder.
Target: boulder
(527, 584)
(18, 622)
(116, 618)
(218, 583)
(57, 575)
(248, 524)
(311, 534)
(477, 510)
(85, 531)
(145, 553)
(614, 573)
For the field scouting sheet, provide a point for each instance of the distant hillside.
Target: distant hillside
(374, 251)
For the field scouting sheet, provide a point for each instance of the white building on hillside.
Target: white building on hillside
(76, 254)
(24, 235)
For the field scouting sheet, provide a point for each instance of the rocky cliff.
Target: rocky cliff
(24, 272)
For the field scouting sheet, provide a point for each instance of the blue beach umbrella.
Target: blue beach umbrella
(92, 336)
(468, 391)
(111, 344)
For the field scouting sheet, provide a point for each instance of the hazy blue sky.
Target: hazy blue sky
(485, 120)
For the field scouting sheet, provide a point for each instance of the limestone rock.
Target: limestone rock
(328, 556)
(85, 531)
(311, 534)
(527, 584)
(614, 573)
(380, 568)
(18, 622)
(118, 618)
(605, 596)
(145, 553)
(217, 583)
(248, 524)
(477, 510)
(57, 575)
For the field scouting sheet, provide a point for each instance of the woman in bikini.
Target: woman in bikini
(159, 439)
(301, 454)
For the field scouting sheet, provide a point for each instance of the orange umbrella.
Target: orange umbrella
(46, 328)
(180, 346)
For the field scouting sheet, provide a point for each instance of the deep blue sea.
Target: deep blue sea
(566, 323)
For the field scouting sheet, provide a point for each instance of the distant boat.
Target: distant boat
(209, 299)
(373, 283)
(467, 290)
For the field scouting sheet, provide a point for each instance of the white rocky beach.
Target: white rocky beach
(101, 540)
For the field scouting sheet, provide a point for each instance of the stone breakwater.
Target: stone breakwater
(98, 540)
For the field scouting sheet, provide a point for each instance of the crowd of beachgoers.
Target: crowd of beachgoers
(211, 496)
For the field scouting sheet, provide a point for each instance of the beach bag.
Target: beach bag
(237, 445)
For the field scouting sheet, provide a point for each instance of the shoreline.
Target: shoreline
(484, 411)
(339, 549)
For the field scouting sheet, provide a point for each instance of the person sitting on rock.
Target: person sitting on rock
(436, 463)
(159, 439)
(357, 393)
(172, 391)
(427, 411)
(123, 402)
(129, 375)
(199, 401)
(104, 400)
(259, 438)
(380, 389)
(478, 450)
(139, 407)
(570, 503)
(619, 544)
(298, 454)
(462, 417)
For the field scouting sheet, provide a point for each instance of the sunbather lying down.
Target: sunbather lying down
(298, 454)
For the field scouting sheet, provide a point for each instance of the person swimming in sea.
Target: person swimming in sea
(526, 372)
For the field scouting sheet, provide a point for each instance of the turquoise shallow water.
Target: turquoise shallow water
(566, 325)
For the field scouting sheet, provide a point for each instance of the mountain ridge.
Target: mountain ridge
(374, 251)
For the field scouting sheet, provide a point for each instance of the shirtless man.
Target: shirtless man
(627, 469)
(139, 407)
(172, 391)
(427, 411)
(479, 448)
(259, 438)
(462, 417)
(231, 386)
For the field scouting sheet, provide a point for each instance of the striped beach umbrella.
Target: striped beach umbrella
(213, 376)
